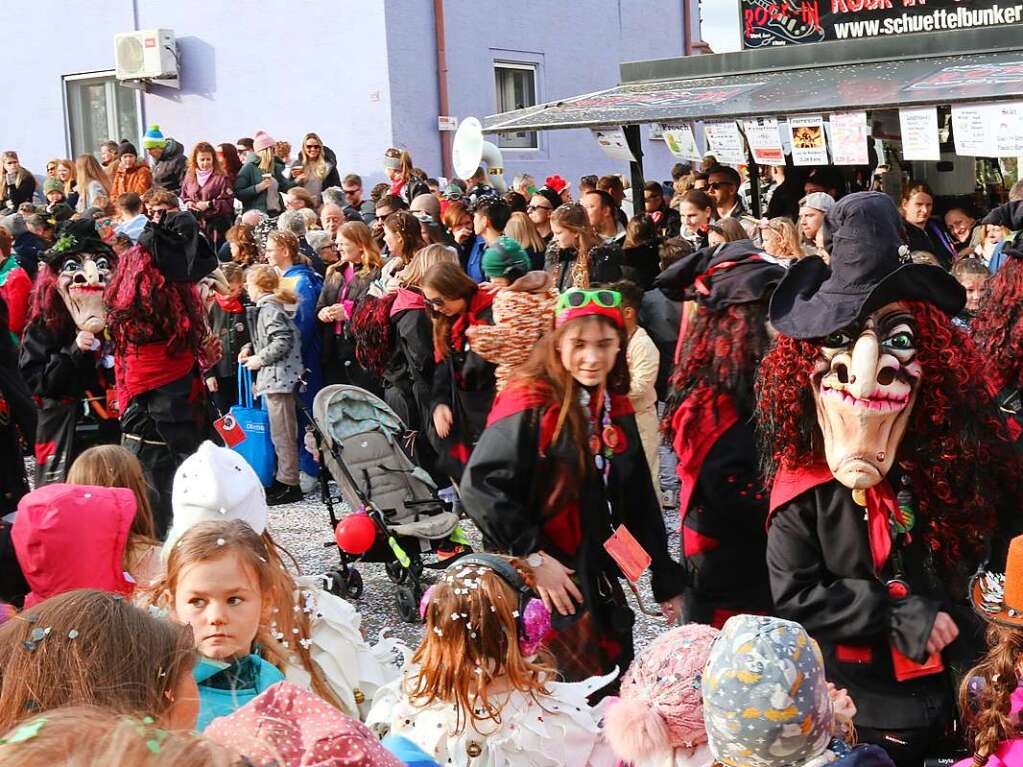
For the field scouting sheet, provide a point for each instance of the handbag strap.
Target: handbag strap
(244, 386)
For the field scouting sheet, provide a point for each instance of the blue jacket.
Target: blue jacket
(307, 284)
(214, 702)
(474, 264)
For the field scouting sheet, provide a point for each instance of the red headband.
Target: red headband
(589, 310)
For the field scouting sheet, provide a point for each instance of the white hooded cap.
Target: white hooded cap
(215, 483)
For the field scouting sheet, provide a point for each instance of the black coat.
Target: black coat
(661, 318)
(822, 576)
(233, 331)
(523, 492)
(604, 264)
(338, 355)
(641, 264)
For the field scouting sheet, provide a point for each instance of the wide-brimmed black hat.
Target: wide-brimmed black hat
(721, 275)
(869, 267)
(179, 249)
(74, 237)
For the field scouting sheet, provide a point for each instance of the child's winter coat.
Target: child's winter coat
(275, 340)
(226, 687)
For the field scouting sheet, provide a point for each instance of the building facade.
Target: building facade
(363, 74)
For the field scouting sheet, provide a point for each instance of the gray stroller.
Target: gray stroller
(361, 446)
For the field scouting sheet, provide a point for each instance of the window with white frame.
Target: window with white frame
(516, 89)
(99, 108)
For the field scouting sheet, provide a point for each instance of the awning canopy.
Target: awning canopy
(820, 78)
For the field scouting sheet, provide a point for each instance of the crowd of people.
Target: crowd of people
(830, 397)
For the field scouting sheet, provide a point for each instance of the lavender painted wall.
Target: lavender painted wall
(360, 73)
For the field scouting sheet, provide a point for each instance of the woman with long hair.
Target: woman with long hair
(206, 190)
(405, 182)
(463, 383)
(67, 175)
(696, 209)
(521, 229)
(403, 237)
(244, 248)
(231, 163)
(565, 422)
(17, 185)
(314, 172)
(641, 251)
(577, 258)
(93, 184)
(261, 180)
(345, 286)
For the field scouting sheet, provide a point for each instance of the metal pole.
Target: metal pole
(754, 184)
(632, 137)
(442, 86)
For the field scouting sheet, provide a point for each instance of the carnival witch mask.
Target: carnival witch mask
(865, 384)
(867, 376)
(83, 264)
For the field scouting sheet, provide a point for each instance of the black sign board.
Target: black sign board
(792, 22)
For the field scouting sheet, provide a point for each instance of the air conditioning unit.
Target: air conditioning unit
(149, 54)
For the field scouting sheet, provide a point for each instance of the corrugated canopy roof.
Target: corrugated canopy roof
(803, 87)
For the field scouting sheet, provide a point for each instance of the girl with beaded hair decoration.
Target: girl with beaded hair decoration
(479, 687)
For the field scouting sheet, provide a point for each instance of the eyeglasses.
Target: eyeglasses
(312, 146)
(531, 208)
(437, 303)
(718, 184)
(576, 298)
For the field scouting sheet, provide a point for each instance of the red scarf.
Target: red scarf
(147, 367)
(480, 300)
(230, 304)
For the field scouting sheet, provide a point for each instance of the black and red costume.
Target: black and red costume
(892, 475)
(160, 331)
(73, 387)
(466, 383)
(521, 488)
(711, 425)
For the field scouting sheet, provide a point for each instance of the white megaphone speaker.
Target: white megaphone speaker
(471, 151)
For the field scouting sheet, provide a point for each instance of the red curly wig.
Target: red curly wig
(998, 327)
(720, 355)
(47, 307)
(956, 448)
(143, 307)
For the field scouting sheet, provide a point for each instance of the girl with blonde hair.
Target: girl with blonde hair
(93, 183)
(576, 258)
(17, 185)
(781, 240)
(521, 229)
(405, 182)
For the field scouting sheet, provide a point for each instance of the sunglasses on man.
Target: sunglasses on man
(718, 184)
(531, 208)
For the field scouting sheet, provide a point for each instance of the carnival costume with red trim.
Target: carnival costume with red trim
(876, 521)
(722, 501)
(466, 383)
(521, 489)
(73, 388)
(159, 328)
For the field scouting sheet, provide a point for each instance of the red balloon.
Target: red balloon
(355, 534)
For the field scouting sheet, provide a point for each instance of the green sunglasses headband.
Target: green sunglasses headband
(576, 298)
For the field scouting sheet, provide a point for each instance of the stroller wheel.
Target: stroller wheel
(408, 603)
(353, 588)
(396, 572)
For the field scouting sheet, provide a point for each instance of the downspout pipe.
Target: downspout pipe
(442, 86)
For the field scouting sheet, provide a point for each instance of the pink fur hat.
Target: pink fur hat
(661, 704)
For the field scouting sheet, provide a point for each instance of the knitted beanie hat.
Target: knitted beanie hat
(215, 483)
(504, 256)
(765, 698)
(262, 140)
(126, 147)
(661, 704)
(53, 185)
(153, 139)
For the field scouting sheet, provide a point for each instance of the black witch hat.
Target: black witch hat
(721, 275)
(74, 237)
(869, 267)
(179, 250)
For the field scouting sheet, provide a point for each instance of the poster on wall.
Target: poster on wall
(920, 134)
(1007, 120)
(724, 141)
(681, 142)
(764, 141)
(807, 136)
(770, 23)
(972, 130)
(849, 138)
(614, 144)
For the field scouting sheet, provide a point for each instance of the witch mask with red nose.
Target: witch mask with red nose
(865, 385)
